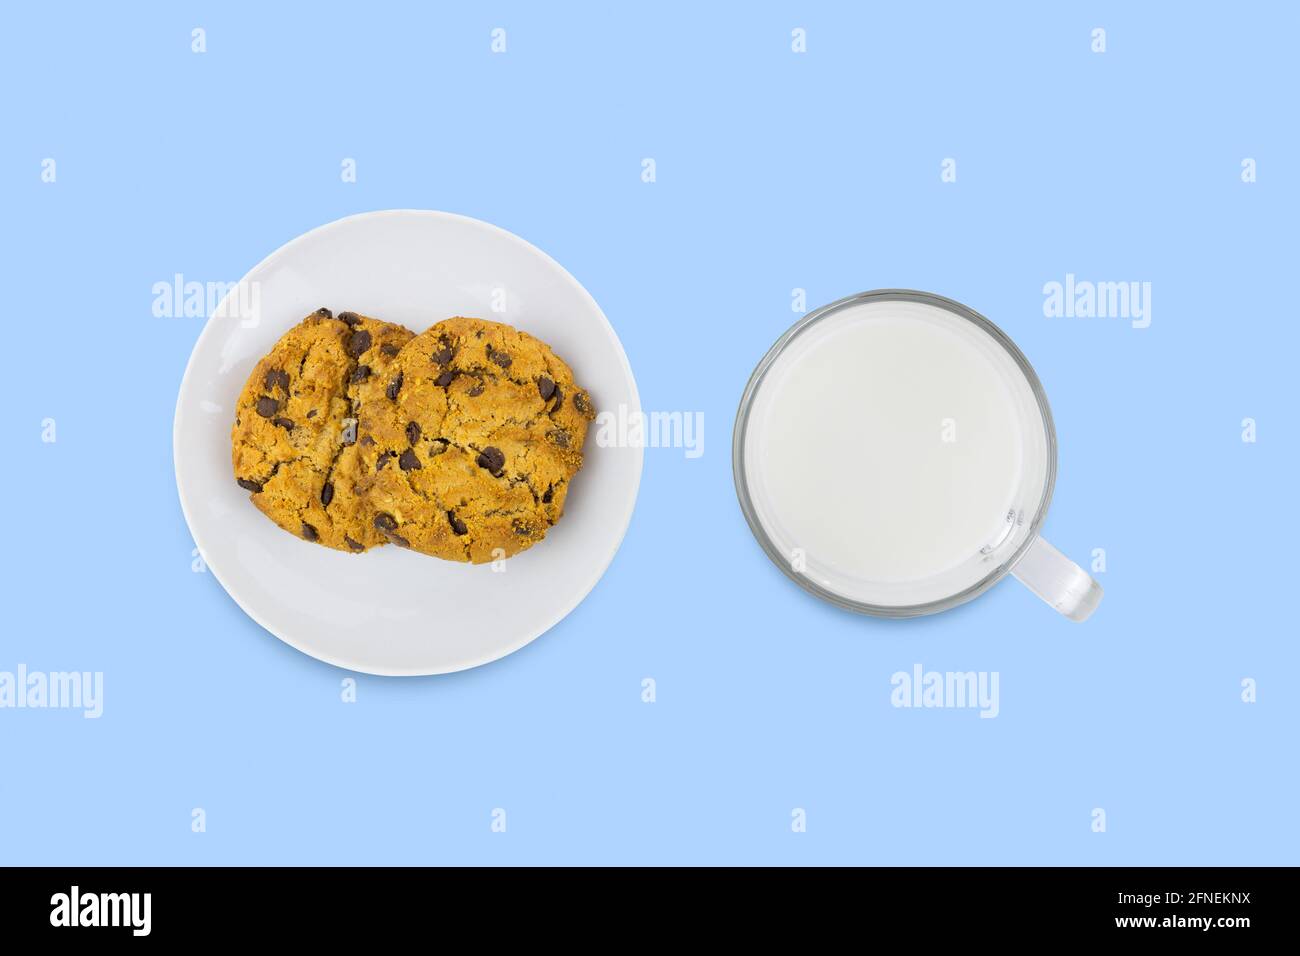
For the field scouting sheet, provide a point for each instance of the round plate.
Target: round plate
(391, 611)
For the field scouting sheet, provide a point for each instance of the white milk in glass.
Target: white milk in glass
(895, 452)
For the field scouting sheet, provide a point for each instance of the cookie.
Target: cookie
(294, 441)
(471, 453)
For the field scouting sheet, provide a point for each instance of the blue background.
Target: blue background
(775, 170)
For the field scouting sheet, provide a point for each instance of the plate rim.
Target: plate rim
(531, 634)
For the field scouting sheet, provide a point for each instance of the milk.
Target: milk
(892, 449)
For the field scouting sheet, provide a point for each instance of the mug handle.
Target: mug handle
(1058, 581)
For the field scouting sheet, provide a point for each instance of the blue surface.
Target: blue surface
(775, 170)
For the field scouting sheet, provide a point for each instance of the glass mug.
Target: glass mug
(894, 454)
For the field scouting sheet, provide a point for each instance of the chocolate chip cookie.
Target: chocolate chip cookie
(470, 453)
(294, 441)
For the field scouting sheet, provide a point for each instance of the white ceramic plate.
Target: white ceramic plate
(391, 611)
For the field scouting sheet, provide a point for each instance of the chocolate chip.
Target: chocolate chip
(384, 459)
(549, 495)
(276, 376)
(394, 387)
(444, 355)
(389, 349)
(385, 522)
(354, 545)
(582, 402)
(522, 529)
(366, 441)
(409, 460)
(492, 459)
(248, 484)
(358, 343)
(285, 423)
(501, 358)
(545, 387)
(438, 447)
(361, 374)
(398, 540)
(443, 380)
(475, 391)
(412, 432)
(559, 398)
(457, 526)
(351, 318)
(309, 532)
(327, 493)
(312, 413)
(322, 311)
(266, 406)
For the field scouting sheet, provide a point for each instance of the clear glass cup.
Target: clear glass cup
(928, 554)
